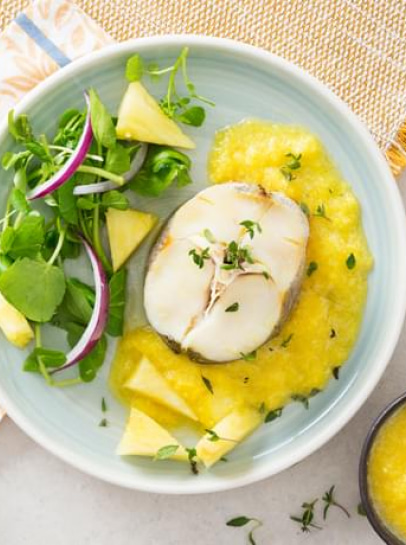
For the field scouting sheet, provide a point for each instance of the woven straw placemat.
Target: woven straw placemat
(356, 47)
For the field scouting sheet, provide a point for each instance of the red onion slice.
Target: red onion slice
(107, 185)
(73, 163)
(95, 328)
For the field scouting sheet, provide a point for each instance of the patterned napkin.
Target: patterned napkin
(44, 37)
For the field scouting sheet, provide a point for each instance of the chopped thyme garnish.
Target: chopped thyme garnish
(307, 517)
(312, 268)
(236, 256)
(192, 455)
(103, 405)
(208, 384)
(233, 308)
(246, 380)
(249, 357)
(336, 372)
(351, 262)
(166, 452)
(198, 259)
(333, 333)
(330, 501)
(361, 510)
(321, 212)
(223, 459)
(294, 163)
(305, 209)
(103, 423)
(213, 437)
(251, 226)
(266, 275)
(300, 398)
(285, 343)
(273, 415)
(209, 236)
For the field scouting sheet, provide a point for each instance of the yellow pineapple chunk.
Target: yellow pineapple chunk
(141, 118)
(126, 230)
(227, 433)
(14, 324)
(148, 381)
(145, 437)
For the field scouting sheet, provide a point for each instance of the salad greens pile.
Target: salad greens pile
(37, 236)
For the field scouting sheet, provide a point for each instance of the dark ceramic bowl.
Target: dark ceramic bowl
(373, 516)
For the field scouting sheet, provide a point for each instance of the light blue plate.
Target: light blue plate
(244, 82)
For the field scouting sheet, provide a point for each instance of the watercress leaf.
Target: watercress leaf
(39, 150)
(89, 366)
(50, 358)
(19, 201)
(195, 116)
(67, 116)
(117, 284)
(10, 160)
(74, 332)
(7, 239)
(118, 159)
(19, 127)
(28, 237)
(85, 203)
(79, 300)
(115, 199)
(102, 123)
(5, 263)
(34, 288)
(70, 250)
(67, 202)
(134, 69)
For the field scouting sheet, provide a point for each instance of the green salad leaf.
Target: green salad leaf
(89, 366)
(102, 123)
(50, 358)
(117, 284)
(28, 238)
(34, 288)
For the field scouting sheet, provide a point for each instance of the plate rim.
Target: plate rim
(320, 437)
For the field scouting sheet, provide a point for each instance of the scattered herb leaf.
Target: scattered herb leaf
(273, 415)
(301, 399)
(251, 227)
(330, 501)
(251, 356)
(208, 384)
(166, 452)
(285, 343)
(351, 262)
(192, 457)
(103, 405)
(198, 259)
(313, 266)
(333, 333)
(233, 308)
(361, 510)
(103, 423)
(307, 517)
(209, 236)
(336, 372)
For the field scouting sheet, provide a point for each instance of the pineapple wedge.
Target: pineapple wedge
(144, 437)
(148, 381)
(141, 118)
(126, 230)
(14, 324)
(231, 430)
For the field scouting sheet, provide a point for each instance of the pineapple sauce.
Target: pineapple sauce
(321, 331)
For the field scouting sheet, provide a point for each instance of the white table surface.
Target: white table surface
(43, 501)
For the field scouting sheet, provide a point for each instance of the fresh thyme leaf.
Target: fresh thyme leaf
(198, 259)
(134, 69)
(266, 275)
(235, 256)
(209, 236)
(208, 384)
(333, 334)
(246, 380)
(273, 415)
(361, 510)
(166, 452)
(103, 405)
(251, 226)
(239, 521)
(321, 212)
(103, 423)
(285, 343)
(223, 459)
(351, 262)
(301, 399)
(249, 357)
(305, 209)
(307, 517)
(336, 372)
(330, 501)
(312, 268)
(213, 437)
(233, 308)
(194, 116)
